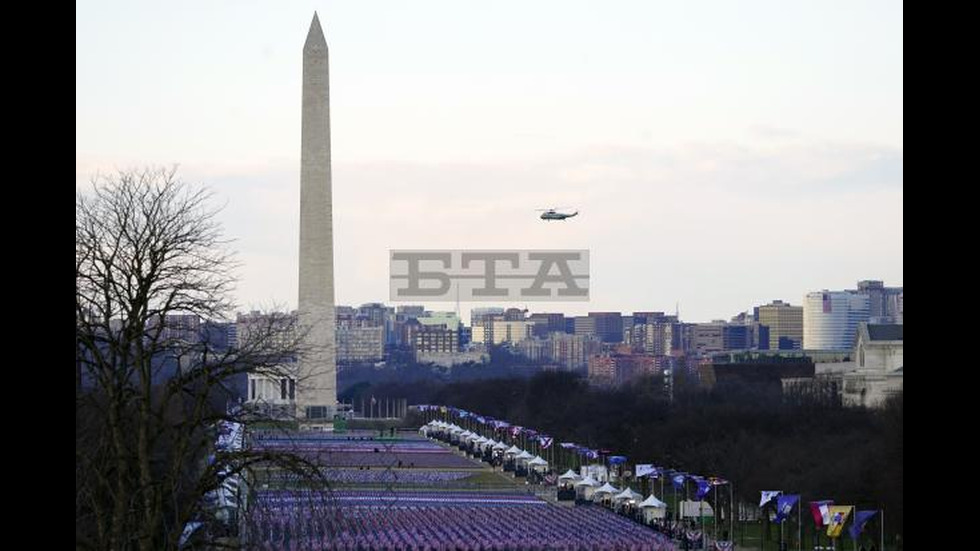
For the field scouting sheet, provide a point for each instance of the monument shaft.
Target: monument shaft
(317, 386)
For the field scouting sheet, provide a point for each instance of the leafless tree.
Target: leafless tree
(152, 393)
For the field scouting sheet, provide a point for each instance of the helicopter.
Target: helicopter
(554, 214)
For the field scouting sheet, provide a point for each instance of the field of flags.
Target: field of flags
(410, 492)
(830, 520)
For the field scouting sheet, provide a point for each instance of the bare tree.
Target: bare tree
(153, 387)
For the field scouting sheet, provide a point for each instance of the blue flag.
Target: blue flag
(784, 506)
(860, 519)
(645, 469)
(768, 495)
(678, 480)
(704, 486)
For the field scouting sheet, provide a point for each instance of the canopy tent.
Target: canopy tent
(570, 475)
(500, 446)
(653, 509)
(627, 495)
(606, 489)
(513, 450)
(538, 464)
(587, 481)
(524, 456)
(652, 501)
(586, 488)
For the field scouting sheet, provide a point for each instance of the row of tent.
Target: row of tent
(587, 487)
(459, 434)
(591, 490)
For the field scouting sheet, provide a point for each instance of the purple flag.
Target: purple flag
(860, 519)
(784, 506)
(704, 486)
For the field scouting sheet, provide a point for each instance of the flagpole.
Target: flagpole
(882, 513)
(799, 521)
(731, 512)
(701, 511)
(716, 511)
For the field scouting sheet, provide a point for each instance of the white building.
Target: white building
(831, 318)
(866, 376)
(879, 361)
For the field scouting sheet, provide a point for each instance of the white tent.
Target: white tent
(513, 450)
(653, 508)
(604, 491)
(587, 481)
(537, 464)
(586, 487)
(569, 475)
(626, 495)
(524, 455)
(500, 446)
(607, 488)
(652, 501)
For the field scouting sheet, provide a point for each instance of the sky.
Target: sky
(722, 154)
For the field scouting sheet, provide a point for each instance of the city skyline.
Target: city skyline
(722, 157)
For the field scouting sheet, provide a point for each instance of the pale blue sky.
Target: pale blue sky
(722, 153)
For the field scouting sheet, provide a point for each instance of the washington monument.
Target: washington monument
(317, 389)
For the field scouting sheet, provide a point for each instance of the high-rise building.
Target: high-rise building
(584, 326)
(410, 310)
(375, 313)
(709, 338)
(785, 323)
(738, 336)
(572, 351)
(511, 331)
(481, 323)
(434, 338)
(651, 338)
(884, 302)
(514, 314)
(608, 326)
(477, 315)
(360, 343)
(831, 318)
(651, 317)
(545, 323)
